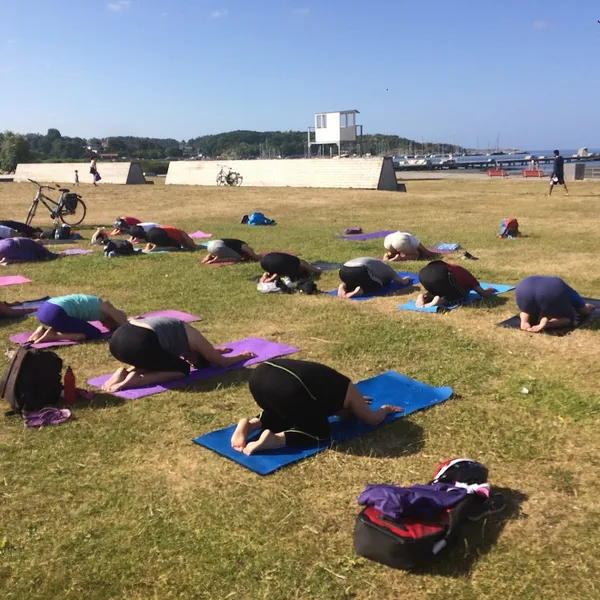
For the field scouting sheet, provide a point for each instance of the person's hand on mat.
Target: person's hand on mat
(406, 280)
(223, 350)
(391, 409)
(368, 399)
(491, 290)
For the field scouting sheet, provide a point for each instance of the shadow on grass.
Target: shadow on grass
(492, 302)
(230, 379)
(476, 539)
(399, 438)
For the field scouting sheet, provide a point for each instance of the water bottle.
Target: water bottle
(69, 387)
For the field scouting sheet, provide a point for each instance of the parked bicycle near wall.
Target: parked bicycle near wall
(70, 208)
(228, 177)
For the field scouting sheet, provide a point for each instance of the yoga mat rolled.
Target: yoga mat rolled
(472, 297)
(387, 388)
(264, 350)
(21, 338)
(390, 289)
(13, 280)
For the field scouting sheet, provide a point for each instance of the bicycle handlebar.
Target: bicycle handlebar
(42, 186)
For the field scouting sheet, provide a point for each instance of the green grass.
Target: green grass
(119, 504)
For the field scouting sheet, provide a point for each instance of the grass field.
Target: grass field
(119, 504)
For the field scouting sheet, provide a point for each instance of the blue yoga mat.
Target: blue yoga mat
(387, 388)
(392, 288)
(472, 297)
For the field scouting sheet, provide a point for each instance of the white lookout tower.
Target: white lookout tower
(337, 128)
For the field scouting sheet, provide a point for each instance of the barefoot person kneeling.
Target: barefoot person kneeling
(161, 349)
(67, 318)
(228, 250)
(366, 275)
(296, 398)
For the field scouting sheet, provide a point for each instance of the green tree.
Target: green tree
(15, 149)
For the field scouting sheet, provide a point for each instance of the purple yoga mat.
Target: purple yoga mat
(13, 280)
(74, 251)
(366, 236)
(21, 338)
(264, 350)
(199, 235)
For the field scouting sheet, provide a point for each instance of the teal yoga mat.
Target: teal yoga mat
(387, 388)
(472, 297)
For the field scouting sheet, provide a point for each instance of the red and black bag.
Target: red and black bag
(409, 542)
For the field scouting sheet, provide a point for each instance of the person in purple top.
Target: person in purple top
(558, 173)
(13, 250)
(548, 303)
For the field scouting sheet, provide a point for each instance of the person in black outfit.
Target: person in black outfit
(25, 230)
(558, 173)
(297, 397)
(280, 264)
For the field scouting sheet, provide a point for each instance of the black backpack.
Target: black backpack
(32, 380)
(119, 247)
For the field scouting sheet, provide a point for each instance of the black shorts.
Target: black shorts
(139, 347)
(297, 397)
(233, 244)
(159, 237)
(282, 264)
(558, 180)
(438, 281)
(354, 277)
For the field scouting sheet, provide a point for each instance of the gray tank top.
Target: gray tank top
(171, 334)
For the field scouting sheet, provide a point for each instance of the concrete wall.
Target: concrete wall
(359, 173)
(118, 173)
(575, 171)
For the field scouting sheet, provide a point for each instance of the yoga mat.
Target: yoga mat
(515, 322)
(472, 297)
(390, 289)
(264, 350)
(327, 266)
(447, 247)
(21, 338)
(366, 236)
(26, 304)
(198, 235)
(387, 388)
(13, 280)
(74, 251)
(141, 251)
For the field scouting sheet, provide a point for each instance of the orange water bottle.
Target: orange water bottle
(69, 387)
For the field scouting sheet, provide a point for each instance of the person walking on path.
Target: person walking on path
(558, 173)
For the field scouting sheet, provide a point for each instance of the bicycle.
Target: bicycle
(230, 177)
(70, 208)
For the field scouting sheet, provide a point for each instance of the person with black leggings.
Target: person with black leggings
(297, 398)
(280, 264)
(446, 284)
(228, 250)
(366, 275)
(23, 229)
(160, 349)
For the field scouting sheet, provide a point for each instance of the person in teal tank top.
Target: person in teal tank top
(67, 318)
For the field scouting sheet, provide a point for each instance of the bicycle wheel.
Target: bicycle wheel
(72, 217)
(221, 179)
(238, 179)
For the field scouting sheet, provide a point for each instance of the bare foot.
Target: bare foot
(244, 428)
(267, 441)
(117, 377)
(223, 350)
(37, 334)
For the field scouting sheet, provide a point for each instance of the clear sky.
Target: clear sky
(452, 71)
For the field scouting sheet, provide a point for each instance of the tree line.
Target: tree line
(54, 147)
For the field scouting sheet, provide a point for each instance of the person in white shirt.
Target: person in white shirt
(402, 245)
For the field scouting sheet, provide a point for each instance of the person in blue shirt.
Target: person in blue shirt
(67, 318)
(558, 173)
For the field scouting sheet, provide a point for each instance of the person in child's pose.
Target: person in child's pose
(447, 284)
(280, 264)
(161, 349)
(163, 237)
(548, 303)
(68, 318)
(228, 250)
(366, 275)
(401, 245)
(296, 398)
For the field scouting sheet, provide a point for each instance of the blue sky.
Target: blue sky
(455, 72)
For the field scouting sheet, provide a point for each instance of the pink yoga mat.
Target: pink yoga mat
(21, 338)
(199, 235)
(264, 350)
(74, 251)
(13, 280)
